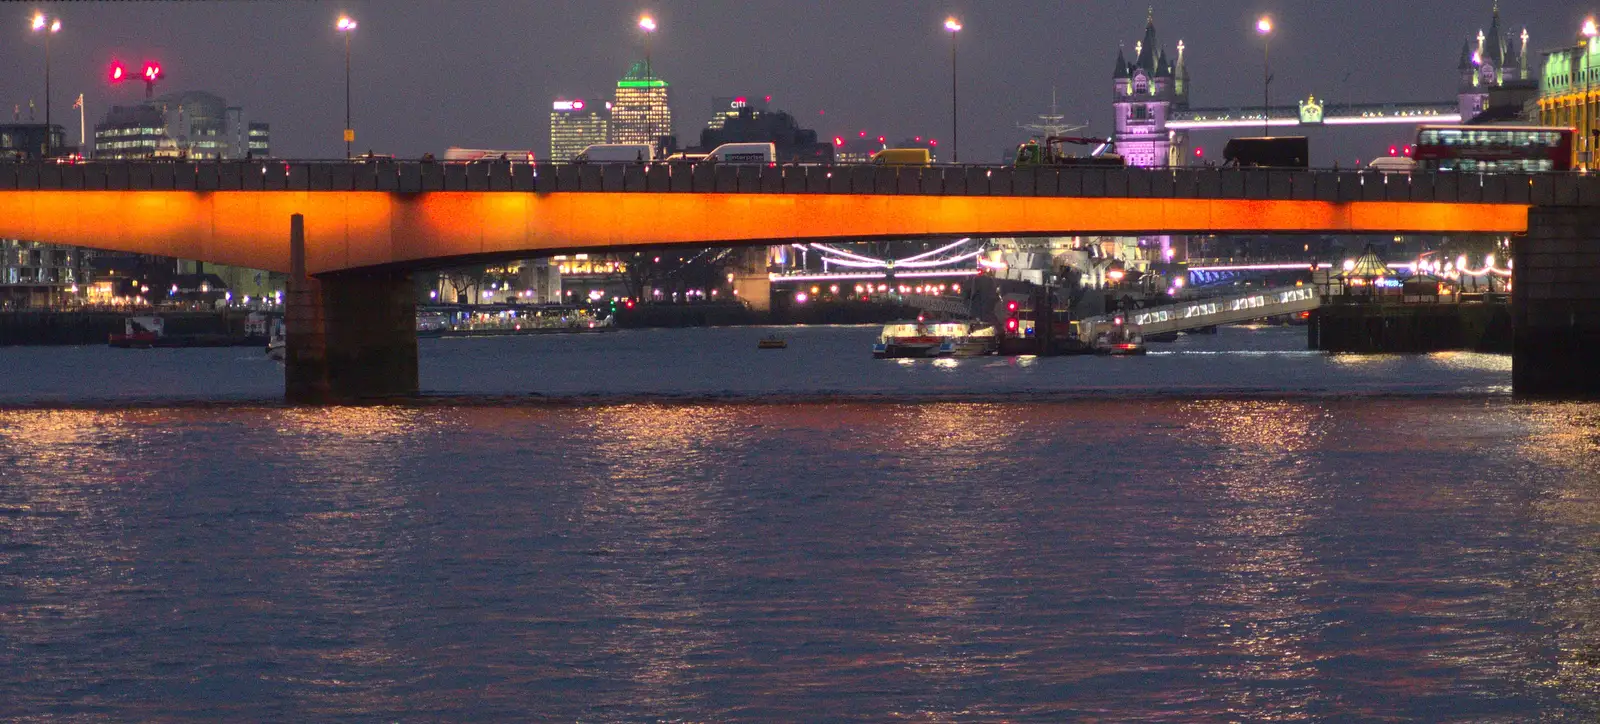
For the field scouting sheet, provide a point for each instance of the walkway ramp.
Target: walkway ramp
(1213, 311)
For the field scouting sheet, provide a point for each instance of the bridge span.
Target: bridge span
(358, 230)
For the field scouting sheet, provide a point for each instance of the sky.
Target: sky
(429, 74)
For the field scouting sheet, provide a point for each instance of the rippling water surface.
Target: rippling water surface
(1231, 530)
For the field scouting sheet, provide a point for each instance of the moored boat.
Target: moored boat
(772, 341)
(922, 340)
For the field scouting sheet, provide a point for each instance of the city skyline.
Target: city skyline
(884, 69)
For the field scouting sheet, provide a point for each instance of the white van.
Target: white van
(1392, 164)
(744, 153)
(615, 153)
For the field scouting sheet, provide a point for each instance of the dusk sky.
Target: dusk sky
(482, 73)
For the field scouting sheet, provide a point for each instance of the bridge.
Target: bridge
(1201, 313)
(362, 228)
(1311, 112)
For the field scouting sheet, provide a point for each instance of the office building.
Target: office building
(20, 141)
(194, 124)
(748, 125)
(729, 107)
(577, 124)
(641, 112)
(38, 275)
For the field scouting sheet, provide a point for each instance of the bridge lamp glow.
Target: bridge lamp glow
(647, 24)
(1590, 29)
(953, 25)
(1264, 25)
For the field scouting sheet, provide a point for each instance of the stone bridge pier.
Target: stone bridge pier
(1555, 304)
(350, 335)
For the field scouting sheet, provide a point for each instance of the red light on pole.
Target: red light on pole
(119, 72)
(837, 141)
(1199, 152)
(863, 134)
(1393, 151)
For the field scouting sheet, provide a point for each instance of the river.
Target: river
(673, 526)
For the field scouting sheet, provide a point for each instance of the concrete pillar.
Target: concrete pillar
(1555, 304)
(350, 335)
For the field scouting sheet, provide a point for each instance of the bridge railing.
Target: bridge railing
(491, 176)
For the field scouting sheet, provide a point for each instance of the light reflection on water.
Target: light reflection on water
(1153, 560)
(1127, 556)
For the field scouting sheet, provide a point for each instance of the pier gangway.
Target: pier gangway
(1209, 312)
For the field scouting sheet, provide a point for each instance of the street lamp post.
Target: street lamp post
(1264, 29)
(647, 25)
(48, 26)
(953, 26)
(347, 26)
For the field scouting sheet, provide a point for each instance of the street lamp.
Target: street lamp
(347, 26)
(48, 26)
(953, 26)
(1264, 29)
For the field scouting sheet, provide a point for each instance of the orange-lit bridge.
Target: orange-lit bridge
(366, 226)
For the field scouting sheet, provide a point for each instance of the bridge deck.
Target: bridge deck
(502, 176)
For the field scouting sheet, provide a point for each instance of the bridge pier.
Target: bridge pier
(350, 336)
(751, 282)
(1555, 304)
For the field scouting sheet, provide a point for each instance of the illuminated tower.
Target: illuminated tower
(1145, 93)
(1489, 61)
(640, 113)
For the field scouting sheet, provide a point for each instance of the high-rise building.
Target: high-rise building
(729, 107)
(640, 113)
(793, 143)
(1490, 61)
(192, 124)
(1145, 93)
(576, 125)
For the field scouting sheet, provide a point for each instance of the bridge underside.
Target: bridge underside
(350, 230)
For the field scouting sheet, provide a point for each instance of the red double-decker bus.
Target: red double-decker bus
(1494, 149)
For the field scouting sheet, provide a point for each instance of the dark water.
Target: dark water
(804, 536)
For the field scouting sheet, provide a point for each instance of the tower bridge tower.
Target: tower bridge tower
(1491, 60)
(1145, 92)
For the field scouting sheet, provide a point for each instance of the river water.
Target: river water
(672, 526)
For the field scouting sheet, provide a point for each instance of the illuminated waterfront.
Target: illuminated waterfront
(783, 554)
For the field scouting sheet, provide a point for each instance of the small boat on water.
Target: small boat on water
(141, 332)
(1122, 340)
(923, 340)
(772, 341)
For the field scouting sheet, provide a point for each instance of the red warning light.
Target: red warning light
(837, 141)
(1012, 325)
(933, 143)
(1393, 151)
(119, 72)
(863, 134)
(1199, 152)
(880, 139)
(152, 72)
(1011, 307)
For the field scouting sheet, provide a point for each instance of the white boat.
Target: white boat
(922, 339)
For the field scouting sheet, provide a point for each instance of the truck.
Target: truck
(1275, 152)
(616, 153)
(1052, 152)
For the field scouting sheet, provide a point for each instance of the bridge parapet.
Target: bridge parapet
(858, 179)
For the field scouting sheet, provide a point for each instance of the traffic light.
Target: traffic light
(1012, 325)
(1011, 307)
